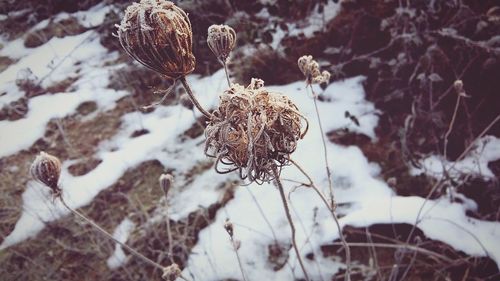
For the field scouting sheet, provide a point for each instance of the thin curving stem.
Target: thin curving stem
(193, 98)
(289, 217)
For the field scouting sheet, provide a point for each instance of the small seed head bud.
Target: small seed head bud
(166, 182)
(255, 84)
(228, 226)
(459, 86)
(158, 34)
(171, 272)
(47, 170)
(310, 69)
(221, 40)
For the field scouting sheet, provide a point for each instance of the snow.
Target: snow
(121, 234)
(475, 163)
(363, 198)
(313, 23)
(256, 211)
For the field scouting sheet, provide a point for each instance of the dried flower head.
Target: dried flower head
(459, 86)
(158, 34)
(310, 69)
(47, 170)
(221, 40)
(166, 181)
(253, 131)
(171, 272)
(228, 226)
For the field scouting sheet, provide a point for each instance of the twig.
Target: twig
(328, 172)
(290, 221)
(227, 73)
(105, 233)
(374, 253)
(396, 246)
(335, 218)
(169, 235)
(438, 183)
(238, 257)
(193, 98)
(451, 125)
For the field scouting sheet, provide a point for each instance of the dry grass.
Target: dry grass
(70, 250)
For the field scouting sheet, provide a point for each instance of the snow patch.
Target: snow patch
(121, 234)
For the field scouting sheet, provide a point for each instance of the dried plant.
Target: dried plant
(166, 181)
(253, 131)
(171, 272)
(228, 226)
(46, 169)
(158, 34)
(310, 69)
(221, 39)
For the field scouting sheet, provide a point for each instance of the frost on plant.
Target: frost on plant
(252, 130)
(158, 34)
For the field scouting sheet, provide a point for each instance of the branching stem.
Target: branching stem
(347, 276)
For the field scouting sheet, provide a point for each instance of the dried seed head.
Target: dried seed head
(158, 34)
(166, 181)
(171, 272)
(310, 69)
(459, 86)
(253, 131)
(47, 170)
(221, 40)
(228, 226)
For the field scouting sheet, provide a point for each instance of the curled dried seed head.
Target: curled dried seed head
(171, 272)
(221, 39)
(158, 34)
(228, 226)
(47, 170)
(310, 69)
(166, 181)
(253, 131)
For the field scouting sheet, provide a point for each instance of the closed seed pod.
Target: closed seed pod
(166, 181)
(47, 170)
(221, 39)
(158, 34)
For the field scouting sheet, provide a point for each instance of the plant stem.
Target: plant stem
(289, 217)
(238, 257)
(105, 233)
(227, 73)
(347, 276)
(169, 235)
(451, 125)
(328, 172)
(193, 98)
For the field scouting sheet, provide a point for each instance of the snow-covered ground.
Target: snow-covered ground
(256, 211)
